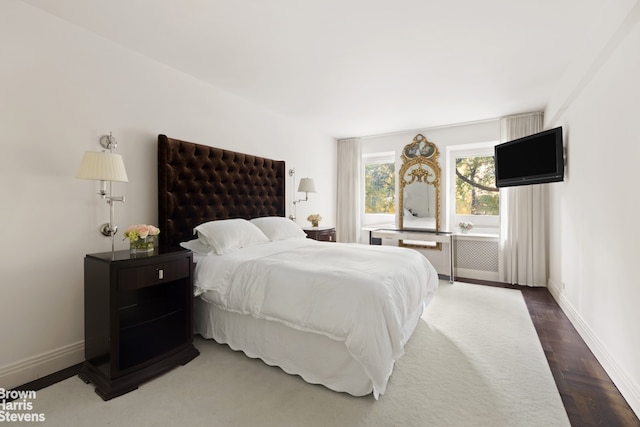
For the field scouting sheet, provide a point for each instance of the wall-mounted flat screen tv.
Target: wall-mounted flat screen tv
(534, 159)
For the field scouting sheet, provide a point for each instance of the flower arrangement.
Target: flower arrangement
(140, 231)
(465, 227)
(314, 219)
(142, 239)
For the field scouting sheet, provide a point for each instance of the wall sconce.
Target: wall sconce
(306, 185)
(105, 166)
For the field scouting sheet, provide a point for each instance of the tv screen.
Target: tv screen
(534, 159)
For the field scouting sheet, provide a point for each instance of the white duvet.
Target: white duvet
(364, 296)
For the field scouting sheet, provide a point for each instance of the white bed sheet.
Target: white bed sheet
(366, 297)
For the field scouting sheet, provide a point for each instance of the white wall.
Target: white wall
(594, 231)
(442, 137)
(61, 88)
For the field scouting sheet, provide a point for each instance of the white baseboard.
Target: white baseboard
(628, 389)
(555, 290)
(31, 369)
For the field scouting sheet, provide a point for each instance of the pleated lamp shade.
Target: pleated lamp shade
(307, 185)
(103, 166)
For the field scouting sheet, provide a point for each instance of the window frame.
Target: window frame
(483, 224)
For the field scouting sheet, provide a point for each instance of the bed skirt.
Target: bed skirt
(314, 357)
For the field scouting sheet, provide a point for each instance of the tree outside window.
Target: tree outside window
(380, 188)
(476, 192)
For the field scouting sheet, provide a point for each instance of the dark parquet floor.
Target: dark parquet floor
(589, 396)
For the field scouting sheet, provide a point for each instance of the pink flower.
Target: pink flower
(143, 231)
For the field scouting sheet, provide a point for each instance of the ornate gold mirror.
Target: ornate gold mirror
(419, 195)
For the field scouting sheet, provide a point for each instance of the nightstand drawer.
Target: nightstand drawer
(326, 236)
(153, 274)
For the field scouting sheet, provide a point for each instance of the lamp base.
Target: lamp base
(107, 230)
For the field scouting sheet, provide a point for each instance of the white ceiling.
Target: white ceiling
(357, 67)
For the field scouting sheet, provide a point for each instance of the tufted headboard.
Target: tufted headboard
(198, 183)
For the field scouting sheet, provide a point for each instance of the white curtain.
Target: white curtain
(523, 211)
(348, 215)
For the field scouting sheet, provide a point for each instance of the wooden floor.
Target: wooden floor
(589, 396)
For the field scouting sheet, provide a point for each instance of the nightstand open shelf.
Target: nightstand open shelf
(138, 318)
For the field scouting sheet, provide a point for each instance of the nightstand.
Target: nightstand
(138, 318)
(324, 234)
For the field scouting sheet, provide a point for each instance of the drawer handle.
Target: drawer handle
(160, 274)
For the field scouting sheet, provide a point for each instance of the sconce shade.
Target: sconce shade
(307, 185)
(103, 166)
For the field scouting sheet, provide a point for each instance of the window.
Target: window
(473, 193)
(476, 193)
(379, 183)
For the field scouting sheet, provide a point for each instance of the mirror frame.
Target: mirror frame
(419, 152)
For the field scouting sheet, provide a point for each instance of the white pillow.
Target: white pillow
(279, 228)
(197, 247)
(228, 235)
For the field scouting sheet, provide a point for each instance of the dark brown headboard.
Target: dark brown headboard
(198, 183)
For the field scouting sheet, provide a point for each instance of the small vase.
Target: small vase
(143, 246)
(314, 223)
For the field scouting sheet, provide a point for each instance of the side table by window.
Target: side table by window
(376, 236)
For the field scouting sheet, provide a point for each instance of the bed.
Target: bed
(335, 314)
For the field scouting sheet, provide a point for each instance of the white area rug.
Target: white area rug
(474, 360)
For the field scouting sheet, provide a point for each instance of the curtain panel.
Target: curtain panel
(523, 213)
(348, 203)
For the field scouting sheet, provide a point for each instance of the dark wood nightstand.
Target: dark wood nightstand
(324, 234)
(138, 318)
